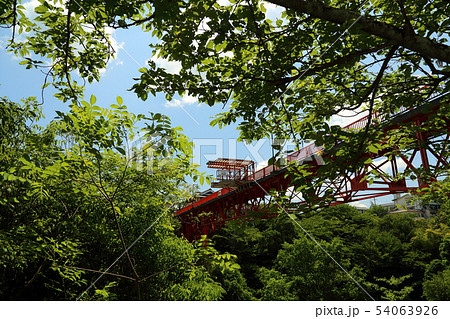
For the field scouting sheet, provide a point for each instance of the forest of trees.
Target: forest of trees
(71, 201)
(81, 220)
(392, 256)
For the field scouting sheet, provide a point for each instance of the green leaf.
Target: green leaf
(41, 9)
(121, 150)
(86, 104)
(374, 148)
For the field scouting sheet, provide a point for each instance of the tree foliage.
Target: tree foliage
(78, 207)
(392, 257)
(281, 67)
(74, 195)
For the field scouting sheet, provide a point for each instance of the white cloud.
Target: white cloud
(32, 4)
(112, 42)
(273, 11)
(295, 196)
(109, 33)
(185, 100)
(173, 67)
(203, 27)
(261, 165)
(29, 8)
(224, 2)
(401, 165)
(4, 43)
(116, 46)
(29, 12)
(228, 54)
(347, 117)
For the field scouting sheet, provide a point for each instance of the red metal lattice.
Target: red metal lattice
(210, 213)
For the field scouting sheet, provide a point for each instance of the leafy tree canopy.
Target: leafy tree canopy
(284, 74)
(83, 215)
(392, 257)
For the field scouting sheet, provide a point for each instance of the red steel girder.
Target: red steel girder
(209, 214)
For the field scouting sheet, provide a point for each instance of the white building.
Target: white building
(407, 203)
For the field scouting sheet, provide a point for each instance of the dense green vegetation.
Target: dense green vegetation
(393, 257)
(280, 68)
(85, 213)
(74, 197)
(72, 202)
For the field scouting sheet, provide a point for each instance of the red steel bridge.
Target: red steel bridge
(245, 191)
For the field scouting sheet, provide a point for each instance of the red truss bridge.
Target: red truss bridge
(245, 191)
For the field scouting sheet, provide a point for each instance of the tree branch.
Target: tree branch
(373, 90)
(408, 26)
(67, 46)
(38, 271)
(135, 22)
(101, 272)
(327, 65)
(14, 20)
(422, 45)
(109, 200)
(432, 67)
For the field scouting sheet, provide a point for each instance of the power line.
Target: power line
(317, 243)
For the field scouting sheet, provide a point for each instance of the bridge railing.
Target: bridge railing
(299, 155)
(203, 200)
(312, 149)
(264, 171)
(362, 122)
(304, 152)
